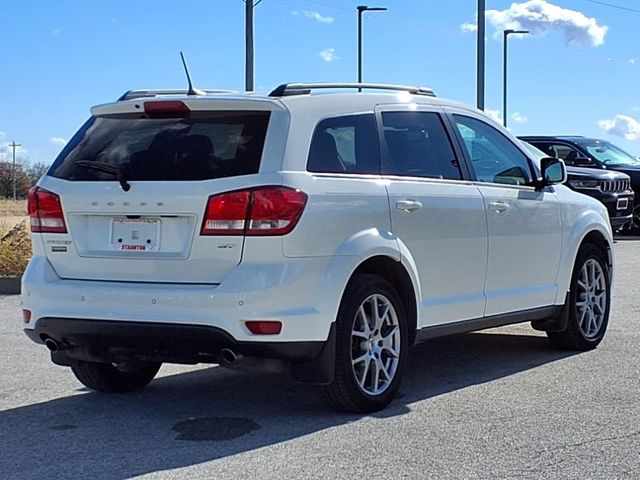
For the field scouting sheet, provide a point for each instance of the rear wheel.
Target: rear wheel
(371, 346)
(110, 378)
(589, 303)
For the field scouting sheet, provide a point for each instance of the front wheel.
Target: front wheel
(371, 346)
(109, 378)
(589, 303)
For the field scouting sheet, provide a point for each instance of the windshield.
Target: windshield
(609, 154)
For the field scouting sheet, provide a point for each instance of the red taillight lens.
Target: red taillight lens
(264, 327)
(262, 211)
(45, 212)
(226, 214)
(166, 109)
(26, 315)
(275, 210)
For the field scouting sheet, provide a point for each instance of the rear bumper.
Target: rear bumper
(282, 291)
(111, 341)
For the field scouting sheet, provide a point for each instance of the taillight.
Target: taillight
(45, 212)
(226, 214)
(166, 109)
(261, 211)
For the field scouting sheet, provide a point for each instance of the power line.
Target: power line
(614, 6)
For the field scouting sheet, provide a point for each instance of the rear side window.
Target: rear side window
(419, 146)
(346, 144)
(201, 147)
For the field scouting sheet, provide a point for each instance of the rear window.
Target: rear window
(347, 144)
(201, 147)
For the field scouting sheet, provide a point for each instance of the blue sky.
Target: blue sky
(578, 74)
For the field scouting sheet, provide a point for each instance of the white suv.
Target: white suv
(324, 233)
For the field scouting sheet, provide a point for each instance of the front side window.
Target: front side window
(566, 153)
(347, 144)
(495, 159)
(419, 146)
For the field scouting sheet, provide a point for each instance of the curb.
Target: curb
(10, 285)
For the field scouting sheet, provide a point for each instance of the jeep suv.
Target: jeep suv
(597, 154)
(317, 229)
(612, 188)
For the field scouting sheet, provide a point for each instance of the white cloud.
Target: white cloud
(58, 141)
(328, 55)
(519, 117)
(56, 31)
(295, 13)
(541, 17)
(622, 126)
(318, 17)
(495, 114)
(632, 61)
(469, 27)
(2, 134)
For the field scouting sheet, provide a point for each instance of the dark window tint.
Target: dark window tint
(565, 152)
(346, 144)
(495, 159)
(202, 147)
(419, 146)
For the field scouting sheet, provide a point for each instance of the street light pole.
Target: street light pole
(506, 34)
(13, 145)
(361, 9)
(480, 50)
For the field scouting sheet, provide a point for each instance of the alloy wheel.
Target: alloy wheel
(635, 222)
(591, 298)
(375, 344)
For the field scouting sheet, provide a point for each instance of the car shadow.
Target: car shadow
(199, 416)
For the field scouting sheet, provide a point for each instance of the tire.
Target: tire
(363, 353)
(588, 309)
(634, 226)
(106, 378)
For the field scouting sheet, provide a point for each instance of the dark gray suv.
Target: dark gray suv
(610, 183)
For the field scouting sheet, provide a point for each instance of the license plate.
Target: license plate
(135, 234)
(623, 203)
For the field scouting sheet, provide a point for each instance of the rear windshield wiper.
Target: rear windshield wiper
(107, 168)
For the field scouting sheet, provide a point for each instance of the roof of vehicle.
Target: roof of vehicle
(330, 98)
(566, 138)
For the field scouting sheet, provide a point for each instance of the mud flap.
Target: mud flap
(557, 323)
(321, 369)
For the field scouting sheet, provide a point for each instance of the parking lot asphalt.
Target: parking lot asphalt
(495, 404)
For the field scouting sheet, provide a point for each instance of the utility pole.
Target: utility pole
(13, 146)
(480, 55)
(248, 48)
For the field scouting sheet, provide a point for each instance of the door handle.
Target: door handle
(498, 207)
(408, 205)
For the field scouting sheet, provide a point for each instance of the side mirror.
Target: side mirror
(553, 172)
(583, 162)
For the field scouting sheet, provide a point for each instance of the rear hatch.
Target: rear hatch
(134, 185)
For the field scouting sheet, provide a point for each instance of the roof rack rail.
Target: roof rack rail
(131, 94)
(287, 89)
